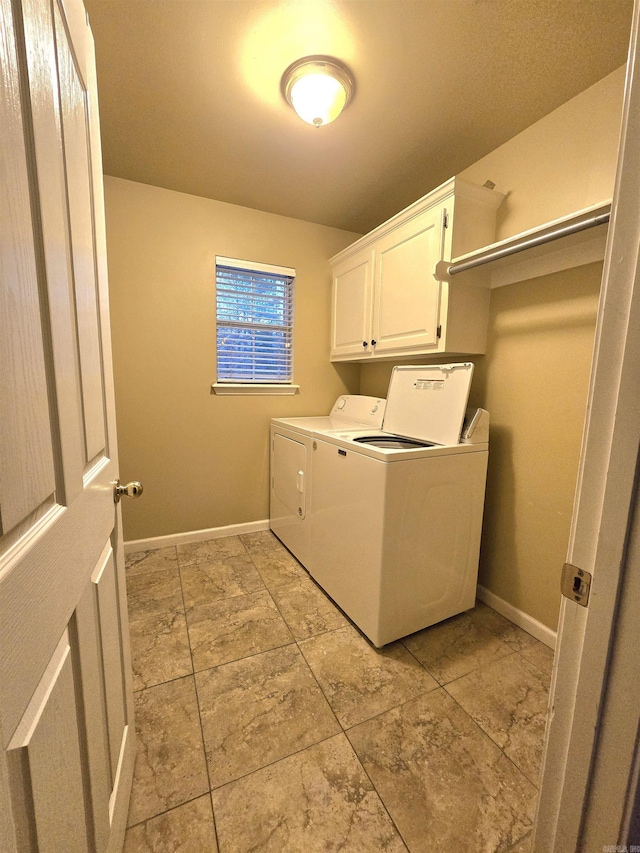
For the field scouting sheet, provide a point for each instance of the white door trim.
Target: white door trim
(576, 757)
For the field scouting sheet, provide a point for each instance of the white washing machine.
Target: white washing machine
(291, 466)
(396, 515)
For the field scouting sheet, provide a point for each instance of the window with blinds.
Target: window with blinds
(254, 322)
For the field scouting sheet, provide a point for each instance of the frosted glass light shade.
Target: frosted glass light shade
(318, 88)
(318, 98)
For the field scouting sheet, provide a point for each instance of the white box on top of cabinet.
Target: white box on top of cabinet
(386, 302)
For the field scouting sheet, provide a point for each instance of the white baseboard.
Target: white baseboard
(518, 617)
(194, 536)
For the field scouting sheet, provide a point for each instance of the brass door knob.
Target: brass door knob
(130, 490)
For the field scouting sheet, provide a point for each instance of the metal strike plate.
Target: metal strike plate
(575, 584)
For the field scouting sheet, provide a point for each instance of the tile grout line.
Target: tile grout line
(313, 675)
(393, 708)
(211, 790)
(422, 665)
(245, 657)
(402, 639)
(297, 752)
(344, 730)
(134, 619)
(170, 809)
(442, 688)
(523, 837)
(169, 681)
(478, 669)
(301, 653)
(378, 794)
(297, 641)
(334, 630)
(160, 683)
(511, 651)
(372, 783)
(486, 734)
(195, 687)
(276, 761)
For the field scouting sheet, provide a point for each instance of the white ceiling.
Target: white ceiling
(190, 93)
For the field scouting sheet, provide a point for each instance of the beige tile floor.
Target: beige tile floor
(266, 722)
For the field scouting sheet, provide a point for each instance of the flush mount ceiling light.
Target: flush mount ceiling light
(318, 88)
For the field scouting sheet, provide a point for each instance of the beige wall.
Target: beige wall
(203, 459)
(534, 382)
(562, 163)
(533, 379)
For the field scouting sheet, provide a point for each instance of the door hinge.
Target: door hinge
(575, 584)
(445, 219)
(439, 332)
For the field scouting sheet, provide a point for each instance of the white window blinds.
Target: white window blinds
(254, 322)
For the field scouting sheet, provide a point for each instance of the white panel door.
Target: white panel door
(65, 688)
(406, 295)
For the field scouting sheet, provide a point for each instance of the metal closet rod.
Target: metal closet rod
(538, 240)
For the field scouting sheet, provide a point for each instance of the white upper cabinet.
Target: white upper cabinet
(406, 304)
(351, 307)
(386, 302)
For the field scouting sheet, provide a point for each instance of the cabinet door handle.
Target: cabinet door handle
(365, 343)
(373, 342)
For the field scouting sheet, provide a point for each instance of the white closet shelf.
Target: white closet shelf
(523, 262)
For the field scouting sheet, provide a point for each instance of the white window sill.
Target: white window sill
(229, 388)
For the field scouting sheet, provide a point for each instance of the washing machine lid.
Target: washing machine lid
(428, 402)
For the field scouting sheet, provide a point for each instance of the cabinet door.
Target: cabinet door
(406, 295)
(351, 306)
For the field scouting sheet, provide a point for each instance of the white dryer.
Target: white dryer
(396, 513)
(292, 442)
